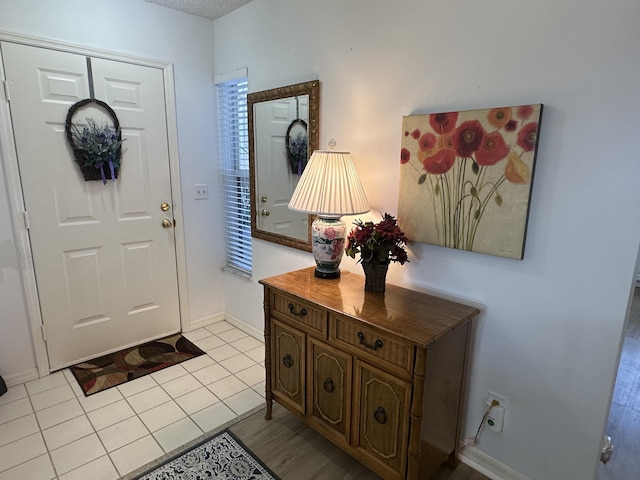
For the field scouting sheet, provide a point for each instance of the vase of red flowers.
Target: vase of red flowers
(378, 244)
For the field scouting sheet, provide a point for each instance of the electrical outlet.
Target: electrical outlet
(495, 417)
(491, 396)
(201, 191)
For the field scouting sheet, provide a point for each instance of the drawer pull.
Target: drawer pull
(302, 312)
(380, 415)
(287, 361)
(377, 344)
(329, 385)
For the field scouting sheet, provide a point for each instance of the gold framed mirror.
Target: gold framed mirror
(283, 132)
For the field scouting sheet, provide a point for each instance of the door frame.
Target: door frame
(9, 159)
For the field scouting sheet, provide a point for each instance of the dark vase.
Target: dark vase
(375, 275)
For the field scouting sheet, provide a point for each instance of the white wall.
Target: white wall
(143, 30)
(550, 336)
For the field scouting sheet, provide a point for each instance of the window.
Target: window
(234, 156)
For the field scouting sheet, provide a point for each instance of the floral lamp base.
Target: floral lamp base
(328, 236)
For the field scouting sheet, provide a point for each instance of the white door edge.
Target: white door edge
(9, 160)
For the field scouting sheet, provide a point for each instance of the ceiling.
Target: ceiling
(202, 8)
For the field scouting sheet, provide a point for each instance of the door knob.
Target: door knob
(164, 206)
(265, 212)
(263, 199)
(166, 223)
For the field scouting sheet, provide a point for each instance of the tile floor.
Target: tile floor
(50, 431)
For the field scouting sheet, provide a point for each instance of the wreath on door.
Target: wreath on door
(96, 148)
(297, 141)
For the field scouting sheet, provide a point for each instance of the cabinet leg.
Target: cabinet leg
(453, 459)
(269, 406)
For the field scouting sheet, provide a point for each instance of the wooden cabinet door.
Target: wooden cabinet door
(381, 418)
(330, 390)
(288, 354)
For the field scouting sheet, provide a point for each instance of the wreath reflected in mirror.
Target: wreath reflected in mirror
(96, 147)
(297, 141)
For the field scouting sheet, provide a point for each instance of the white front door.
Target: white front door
(105, 266)
(275, 182)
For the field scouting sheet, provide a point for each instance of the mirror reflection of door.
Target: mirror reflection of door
(275, 181)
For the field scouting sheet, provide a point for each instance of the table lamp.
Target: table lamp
(329, 188)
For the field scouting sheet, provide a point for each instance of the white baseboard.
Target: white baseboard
(204, 321)
(253, 331)
(489, 466)
(22, 377)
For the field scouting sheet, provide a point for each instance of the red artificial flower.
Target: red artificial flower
(443, 122)
(498, 117)
(440, 161)
(527, 136)
(405, 156)
(467, 137)
(492, 149)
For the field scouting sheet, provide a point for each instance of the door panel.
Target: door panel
(105, 267)
(288, 350)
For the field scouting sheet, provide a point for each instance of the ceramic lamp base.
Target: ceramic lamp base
(328, 236)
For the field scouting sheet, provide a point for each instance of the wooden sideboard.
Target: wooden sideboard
(382, 375)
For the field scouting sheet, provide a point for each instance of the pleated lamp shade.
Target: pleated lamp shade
(330, 188)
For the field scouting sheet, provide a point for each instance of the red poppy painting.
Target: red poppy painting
(465, 178)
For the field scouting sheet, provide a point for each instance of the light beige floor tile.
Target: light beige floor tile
(226, 387)
(111, 414)
(51, 397)
(260, 389)
(211, 374)
(21, 450)
(197, 400)
(16, 409)
(236, 363)
(247, 343)
(122, 433)
(213, 416)
(18, 428)
(219, 327)
(180, 386)
(256, 354)
(252, 375)
(75, 386)
(244, 401)
(162, 415)
(198, 363)
(232, 335)
(59, 413)
(197, 334)
(99, 469)
(100, 399)
(136, 454)
(170, 373)
(177, 434)
(15, 392)
(143, 401)
(209, 343)
(67, 432)
(138, 385)
(76, 454)
(39, 468)
(46, 383)
(223, 352)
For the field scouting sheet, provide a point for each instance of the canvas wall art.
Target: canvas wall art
(466, 177)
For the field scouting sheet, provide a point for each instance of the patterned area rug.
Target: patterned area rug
(223, 457)
(134, 362)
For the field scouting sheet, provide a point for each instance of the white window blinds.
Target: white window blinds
(234, 155)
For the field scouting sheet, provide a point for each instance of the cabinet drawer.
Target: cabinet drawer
(305, 315)
(288, 363)
(369, 342)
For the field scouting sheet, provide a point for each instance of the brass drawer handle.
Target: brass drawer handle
(287, 361)
(302, 312)
(329, 385)
(377, 344)
(380, 415)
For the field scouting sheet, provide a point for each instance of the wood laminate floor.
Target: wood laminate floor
(624, 418)
(296, 452)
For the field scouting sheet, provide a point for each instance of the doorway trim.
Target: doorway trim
(9, 159)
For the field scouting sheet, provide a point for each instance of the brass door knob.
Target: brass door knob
(166, 223)
(265, 212)
(164, 206)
